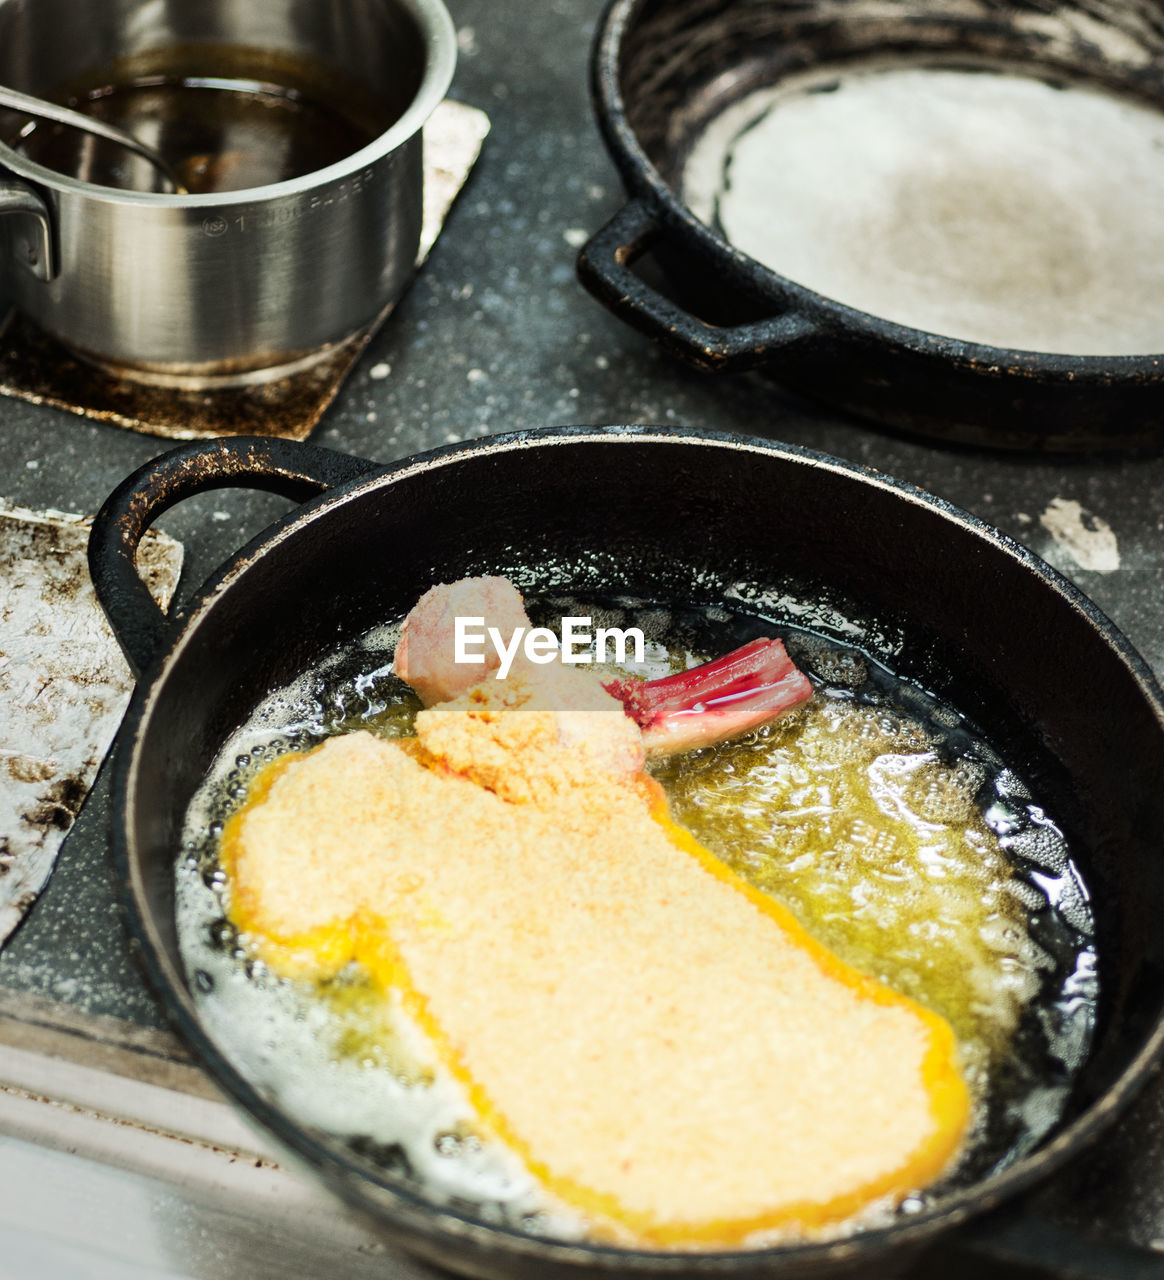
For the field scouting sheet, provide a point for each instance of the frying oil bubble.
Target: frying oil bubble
(875, 813)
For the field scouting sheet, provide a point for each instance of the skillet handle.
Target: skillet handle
(604, 267)
(286, 467)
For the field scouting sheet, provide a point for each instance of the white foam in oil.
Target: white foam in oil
(984, 206)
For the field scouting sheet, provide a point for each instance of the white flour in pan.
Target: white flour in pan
(982, 206)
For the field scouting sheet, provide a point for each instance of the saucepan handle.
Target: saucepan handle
(286, 467)
(31, 240)
(604, 267)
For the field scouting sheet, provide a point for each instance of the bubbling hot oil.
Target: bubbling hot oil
(875, 813)
(847, 813)
(852, 819)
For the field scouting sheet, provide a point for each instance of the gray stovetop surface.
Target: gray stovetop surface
(496, 335)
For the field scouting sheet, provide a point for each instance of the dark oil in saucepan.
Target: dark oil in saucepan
(879, 816)
(226, 119)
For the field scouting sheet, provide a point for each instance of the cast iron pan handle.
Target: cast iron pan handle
(604, 267)
(293, 470)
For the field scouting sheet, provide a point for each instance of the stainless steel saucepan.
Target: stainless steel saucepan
(222, 284)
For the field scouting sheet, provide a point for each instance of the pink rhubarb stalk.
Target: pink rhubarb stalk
(715, 701)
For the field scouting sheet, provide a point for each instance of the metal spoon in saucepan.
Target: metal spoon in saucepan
(41, 110)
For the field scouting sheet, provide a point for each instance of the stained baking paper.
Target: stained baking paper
(64, 687)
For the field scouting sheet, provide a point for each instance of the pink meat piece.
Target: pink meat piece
(716, 701)
(425, 655)
(696, 708)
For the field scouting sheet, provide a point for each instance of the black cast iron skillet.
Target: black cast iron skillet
(661, 68)
(667, 516)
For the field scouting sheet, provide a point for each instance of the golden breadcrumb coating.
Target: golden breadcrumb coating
(664, 1046)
